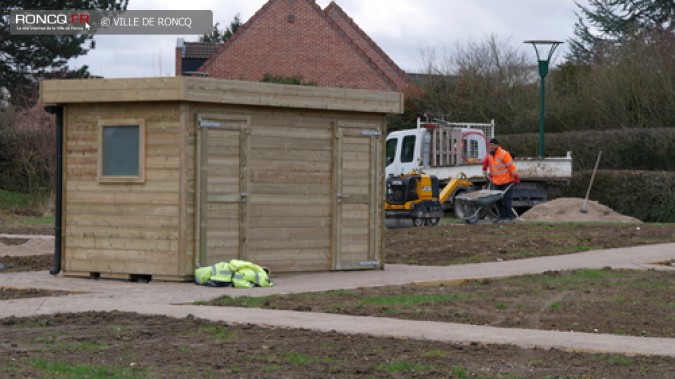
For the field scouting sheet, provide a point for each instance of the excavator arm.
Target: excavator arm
(459, 180)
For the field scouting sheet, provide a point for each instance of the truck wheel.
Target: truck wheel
(432, 221)
(418, 221)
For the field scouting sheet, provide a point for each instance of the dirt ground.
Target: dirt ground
(133, 345)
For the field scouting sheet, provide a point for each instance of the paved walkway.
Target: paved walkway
(175, 299)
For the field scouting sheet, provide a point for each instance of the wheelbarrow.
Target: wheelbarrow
(479, 206)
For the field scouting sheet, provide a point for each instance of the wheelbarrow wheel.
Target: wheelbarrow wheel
(490, 215)
(467, 211)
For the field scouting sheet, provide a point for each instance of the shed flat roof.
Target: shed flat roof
(205, 90)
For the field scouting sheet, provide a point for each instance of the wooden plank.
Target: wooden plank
(120, 267)
(290, 199)
(218, 91)
(300, 166)
(151, 186)
(274, 95)
(123, 256)
(290, 232)
(301, 142)
(290, 177)
(289, 266)
(289, 155)
(114, 209)
(292, 188)
(318, 246)
(121, 244)
(123, 198)
(279, 222)
(131, 232)
(309, 210)
(140, 221)
(111, 90)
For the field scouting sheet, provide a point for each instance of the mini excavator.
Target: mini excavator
(418, 196)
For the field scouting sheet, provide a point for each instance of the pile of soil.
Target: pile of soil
(569, 209)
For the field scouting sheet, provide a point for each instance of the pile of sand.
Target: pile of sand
(569, 209)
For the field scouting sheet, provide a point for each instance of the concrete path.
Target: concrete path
(176, 299)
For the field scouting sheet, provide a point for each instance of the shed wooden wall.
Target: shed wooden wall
(152, 228)
(138, 228)
(289, 217)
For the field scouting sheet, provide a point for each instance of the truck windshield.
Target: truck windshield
(391, 151)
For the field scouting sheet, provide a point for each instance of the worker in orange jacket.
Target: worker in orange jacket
(503, 172)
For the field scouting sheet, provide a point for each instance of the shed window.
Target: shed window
(121, 151)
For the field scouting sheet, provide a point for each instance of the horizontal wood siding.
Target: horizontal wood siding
(290, 186)
(123, 228)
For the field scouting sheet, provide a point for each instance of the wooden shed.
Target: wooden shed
(162, 174)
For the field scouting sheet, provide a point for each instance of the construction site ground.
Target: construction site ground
(491, 322)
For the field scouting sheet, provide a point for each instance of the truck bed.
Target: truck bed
(553, 169)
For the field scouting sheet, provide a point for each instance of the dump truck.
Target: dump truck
(445, 149)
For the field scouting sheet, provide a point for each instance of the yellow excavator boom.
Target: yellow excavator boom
(459, 180)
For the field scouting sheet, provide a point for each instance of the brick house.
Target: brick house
(296, 38)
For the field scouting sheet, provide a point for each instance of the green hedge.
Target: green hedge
(625, 149)
(646, 195)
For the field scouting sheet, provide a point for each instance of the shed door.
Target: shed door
(357, 213)
(223, 190)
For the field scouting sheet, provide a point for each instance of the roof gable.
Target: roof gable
(297, 38)
(366, 44)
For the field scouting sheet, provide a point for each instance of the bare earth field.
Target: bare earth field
(598, 301)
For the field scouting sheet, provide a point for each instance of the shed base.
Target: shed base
(135, 278)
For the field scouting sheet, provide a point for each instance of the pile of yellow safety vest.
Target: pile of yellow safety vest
(237, 273)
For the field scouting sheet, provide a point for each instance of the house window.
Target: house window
(121, 153)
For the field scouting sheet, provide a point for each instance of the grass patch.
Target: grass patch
(398, 367)
(436, 354)
(459, 372)
(76, 371)
(13, 201)
(243, 301)
(414, 300)
(575, 279)
(217, 333)
(87, 346)
(615, 359)
(46, 220)
(22, 203)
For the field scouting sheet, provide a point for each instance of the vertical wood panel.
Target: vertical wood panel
(357, 184)
(223, 189)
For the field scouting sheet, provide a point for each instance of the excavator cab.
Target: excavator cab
(403, 189)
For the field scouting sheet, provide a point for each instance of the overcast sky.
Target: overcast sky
(404, 29)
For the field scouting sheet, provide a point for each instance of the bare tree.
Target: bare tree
(483, 81)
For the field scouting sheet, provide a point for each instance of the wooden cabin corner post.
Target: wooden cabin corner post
(200, 192)
(184, 111)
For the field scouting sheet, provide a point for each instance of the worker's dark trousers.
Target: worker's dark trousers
(505, 204)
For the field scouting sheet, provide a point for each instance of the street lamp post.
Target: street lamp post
(543, 71)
